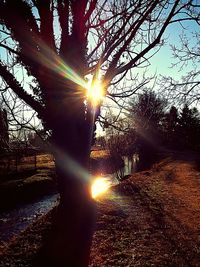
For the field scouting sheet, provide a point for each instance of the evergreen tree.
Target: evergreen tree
(170, 127)
(189, 128)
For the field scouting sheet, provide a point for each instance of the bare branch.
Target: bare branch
(19, 91)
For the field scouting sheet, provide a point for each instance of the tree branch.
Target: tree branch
(10, 49)
(19, 91)
(46, 22)
(129, 65)
(63, 13)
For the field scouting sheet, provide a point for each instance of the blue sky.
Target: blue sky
(161, 62)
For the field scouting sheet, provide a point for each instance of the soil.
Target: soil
(150, 219)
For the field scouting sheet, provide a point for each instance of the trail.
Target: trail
(135, 230)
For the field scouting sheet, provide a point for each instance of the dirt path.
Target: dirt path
(147, 222)
(129, 235)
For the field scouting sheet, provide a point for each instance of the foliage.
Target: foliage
(189, 128)
(170, 126)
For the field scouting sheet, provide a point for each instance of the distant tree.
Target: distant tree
(147, 114)
(39, 140)
(119, 134)
(170, 126)
(147, 111)
(189, 128)
(101, 141)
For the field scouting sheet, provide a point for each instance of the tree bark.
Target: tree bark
(71, 237)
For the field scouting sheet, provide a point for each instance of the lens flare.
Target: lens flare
(95, 92)
(100, 186)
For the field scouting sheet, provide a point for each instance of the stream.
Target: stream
(13, 221)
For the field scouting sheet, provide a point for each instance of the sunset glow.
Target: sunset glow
(99, 186)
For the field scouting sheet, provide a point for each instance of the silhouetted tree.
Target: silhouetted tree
(189, 128)
(170, 126)
(185, 53)
(39, 140)
(147, 112)
(101, 141)
(57, 44)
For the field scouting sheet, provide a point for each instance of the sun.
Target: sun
(95, 92)
(99, 186)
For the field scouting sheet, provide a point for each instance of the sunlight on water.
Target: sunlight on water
(100, 186)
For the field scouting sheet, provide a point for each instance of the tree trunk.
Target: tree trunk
(75, 221)
(69, 244)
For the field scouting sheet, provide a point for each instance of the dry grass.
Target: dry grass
(21, 250)
(96, 154)
(10, 165)
(176, 185)
(152, 219)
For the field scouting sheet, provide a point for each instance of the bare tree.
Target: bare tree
(58, 44)
(187, 89)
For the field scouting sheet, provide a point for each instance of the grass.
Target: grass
(97, 154)
(26, 189)
(162, 224)
(27, 183)
(9, 167)
(21, 250)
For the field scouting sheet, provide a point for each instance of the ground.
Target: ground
(150, 219)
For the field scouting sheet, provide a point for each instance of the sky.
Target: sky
(161, 62)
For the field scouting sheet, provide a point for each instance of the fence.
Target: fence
(18, 161)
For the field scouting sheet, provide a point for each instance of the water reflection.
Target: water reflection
(12, 222)
(130, 166)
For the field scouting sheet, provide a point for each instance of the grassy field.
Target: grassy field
(14, 164)
(96, 154)
(28, 181)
